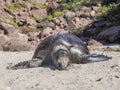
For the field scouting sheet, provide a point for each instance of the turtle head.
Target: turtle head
(61, 59)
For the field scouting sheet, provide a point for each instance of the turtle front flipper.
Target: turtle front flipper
(26, 64)
(94, 58)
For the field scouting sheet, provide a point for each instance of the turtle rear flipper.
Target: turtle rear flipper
(94, 58)
(26, 64)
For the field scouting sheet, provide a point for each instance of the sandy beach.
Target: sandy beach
(92, 76)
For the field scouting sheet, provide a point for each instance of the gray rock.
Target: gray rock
(118, 1)
(101, 23)
(90, 32)
(111, 34)
(99, 20)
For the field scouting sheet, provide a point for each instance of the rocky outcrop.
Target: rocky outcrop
(24, 23)
(15, 16)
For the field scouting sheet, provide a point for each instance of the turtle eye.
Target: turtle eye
(59, 65)
(62, 53)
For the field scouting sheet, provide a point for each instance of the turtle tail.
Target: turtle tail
(26, 64)
(94, 58)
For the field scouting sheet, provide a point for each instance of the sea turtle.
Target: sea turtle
(61, 50)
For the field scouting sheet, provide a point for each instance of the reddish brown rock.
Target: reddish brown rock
(2, 4)
(1, 48)
(95, 8)
(31, 22)
(46, 32)
(92, 13)
(52, 6)
(56, 21)
(51, 25)
(24, 14)
(85, 15)
(59, 30)
(1, 31)
(8, 28)
(33, 45)
(21, 21)
(39, 13)
(18, 42)
(32, 36)
(78, 13)
(49, 31)
(3, 40)
(68, 15)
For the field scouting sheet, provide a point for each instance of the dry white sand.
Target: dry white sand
(91, 76)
